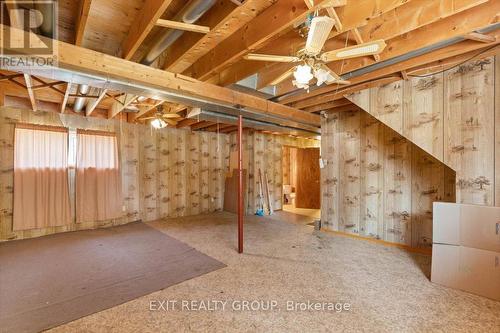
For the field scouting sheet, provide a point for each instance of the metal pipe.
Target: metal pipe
(190, 13)
(240, 184)
(83, 89)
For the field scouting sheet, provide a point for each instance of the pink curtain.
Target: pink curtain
(98, 178)
(41, 195)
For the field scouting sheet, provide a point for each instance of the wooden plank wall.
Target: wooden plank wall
(265, 153)
(165, 173)
(376, 183)
(454, 116)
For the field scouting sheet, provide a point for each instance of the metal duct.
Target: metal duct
(47, 19)
(218, 117)
(190, 13)
(83, 89)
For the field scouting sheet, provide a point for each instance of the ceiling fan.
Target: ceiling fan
(312, 62)
(161, 119)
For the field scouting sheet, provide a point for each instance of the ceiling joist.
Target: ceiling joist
(83, 16)
(183, 26)
(142, 25)
(252, 36)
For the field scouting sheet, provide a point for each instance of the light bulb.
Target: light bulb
(303, 74)
(322, 76)
(158, 123)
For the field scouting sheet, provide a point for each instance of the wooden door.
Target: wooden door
(308, 175)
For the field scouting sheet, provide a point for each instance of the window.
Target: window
(98, 177)
(41, 196)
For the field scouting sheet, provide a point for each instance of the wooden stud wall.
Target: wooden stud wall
(376, 183)
(454, 116)
(165, 173)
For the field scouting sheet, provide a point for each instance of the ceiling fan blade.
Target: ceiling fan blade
(365, 49)
(270, 57)
(282, 77)
(320, 29)
(171, 122)
(146, 118)
(171, 115)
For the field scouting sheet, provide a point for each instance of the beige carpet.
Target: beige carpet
(387, 288)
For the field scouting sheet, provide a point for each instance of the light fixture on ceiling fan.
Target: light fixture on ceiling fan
(313, 61)
(162, 119)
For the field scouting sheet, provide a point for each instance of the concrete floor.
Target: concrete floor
(387, 288)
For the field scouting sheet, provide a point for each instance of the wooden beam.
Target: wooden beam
(85, 61)
(333, 14)
(453, 26)
(358, 13)
(413, 15)
(329, 105)
(144, 109)
(92, 105)
(479, 37)
(371, 22)
(252, 36)
(15, 19)
(217, 127)
(183, 26)
(351, 107)
(201, 125)
(118, 106)
(9, 77)
(66, 97)
(340, 93)
(186, 122)
(81, 23)
(436, 58)
(31, 93)
(145, 20)
(229, 129)
(359, 40)
(404, 75)
(223, 18)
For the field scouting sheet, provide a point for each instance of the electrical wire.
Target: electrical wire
(343, 61)
(456, 65)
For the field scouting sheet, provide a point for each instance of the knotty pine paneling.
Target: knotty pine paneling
(165, 173)
(469, 130)
(455, 117)
(423, 113)
(265, 152)
(376, 183)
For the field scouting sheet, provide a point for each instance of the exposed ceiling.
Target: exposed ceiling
(421, 36)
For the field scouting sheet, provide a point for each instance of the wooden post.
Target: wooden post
(240, 185)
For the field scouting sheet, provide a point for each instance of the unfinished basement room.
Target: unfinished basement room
(249, 166)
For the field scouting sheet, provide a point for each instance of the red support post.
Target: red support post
(240, 184)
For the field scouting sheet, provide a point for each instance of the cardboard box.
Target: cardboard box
(473, 270)
(467, 225)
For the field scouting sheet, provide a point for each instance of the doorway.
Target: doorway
(301, 181)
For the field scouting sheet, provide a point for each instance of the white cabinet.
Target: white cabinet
(466, 249)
